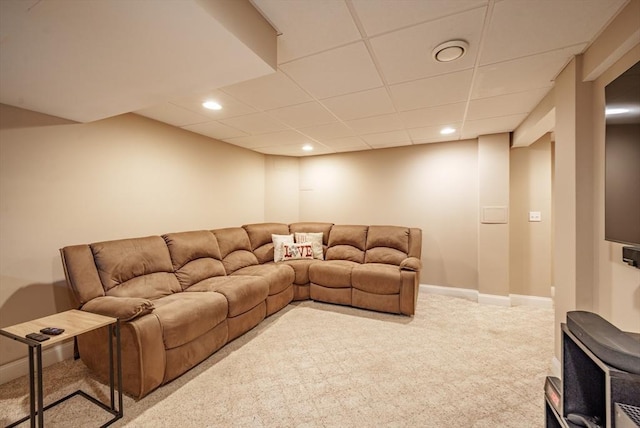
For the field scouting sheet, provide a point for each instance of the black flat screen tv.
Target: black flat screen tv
(622, 158)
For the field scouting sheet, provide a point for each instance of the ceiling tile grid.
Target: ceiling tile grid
(350, 74)
(360, 74)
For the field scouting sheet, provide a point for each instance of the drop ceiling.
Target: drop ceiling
(350, 74)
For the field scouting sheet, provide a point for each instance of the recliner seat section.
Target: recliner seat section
(301, 282)
(331, 281)
(279, 276)
(378, 283)
(182, 296)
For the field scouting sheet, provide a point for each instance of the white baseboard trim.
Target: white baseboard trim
(489, 299)
(464, 293)
(492, 299)
(17, 368)
(535, 301)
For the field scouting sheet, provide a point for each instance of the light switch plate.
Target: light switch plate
(535, 216)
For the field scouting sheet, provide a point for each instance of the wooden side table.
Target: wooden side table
(74, 323)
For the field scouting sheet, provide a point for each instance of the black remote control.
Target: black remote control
(52, 331)
(37, 337)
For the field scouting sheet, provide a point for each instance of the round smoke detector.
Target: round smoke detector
(450, 51)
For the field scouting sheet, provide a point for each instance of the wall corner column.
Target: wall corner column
(574, 253)
(493, 210)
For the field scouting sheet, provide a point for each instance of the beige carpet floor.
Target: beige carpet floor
(456, 363)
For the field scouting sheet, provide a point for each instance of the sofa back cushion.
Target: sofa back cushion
(195, 256)
(235, 248)
(387, 244)
(260, 238)
(138, 267)
(347, 243)
(312, 227)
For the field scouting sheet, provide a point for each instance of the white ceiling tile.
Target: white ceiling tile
(388, 139)
(172, 114)
(446, 89)
(431, 134)
(524, 27)
(216, 130)
(474, 128)
(406, 55)
(433, 115)
(303, 26)
(348, 143)
(518, 75)
(272, 139)
(379, 16)
(373, 102)
(396, 144)
(372, 125)
(504, 105)
(303, 115)
(268, 92)
(335, 72)
(248, 142)
(256, 123)
(328, 131)
(230, 106)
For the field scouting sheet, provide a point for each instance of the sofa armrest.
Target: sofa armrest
(413, 264)
(123, 308)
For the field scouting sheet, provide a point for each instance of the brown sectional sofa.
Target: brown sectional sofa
(182, 296)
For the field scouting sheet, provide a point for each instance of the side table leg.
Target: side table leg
(119, 360)
(111, 376)
(40, 392)
(32, 389)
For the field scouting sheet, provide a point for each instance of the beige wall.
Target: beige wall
(281, 189)
(63, 183)
(431, 186)
(530, 244)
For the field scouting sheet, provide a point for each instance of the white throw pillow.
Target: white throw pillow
(316, 241)
(278, 242)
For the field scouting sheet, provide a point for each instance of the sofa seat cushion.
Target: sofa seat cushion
(278, 276)
(243, 293)
(186, 316)
(377, 278)
(301, 270)
(332, 273)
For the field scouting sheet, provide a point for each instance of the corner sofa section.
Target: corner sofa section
(182, 296)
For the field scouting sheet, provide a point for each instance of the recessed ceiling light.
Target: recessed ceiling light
(448, 130)
(211, 105)
(307, 147)
(450, 51)
(614, 111)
